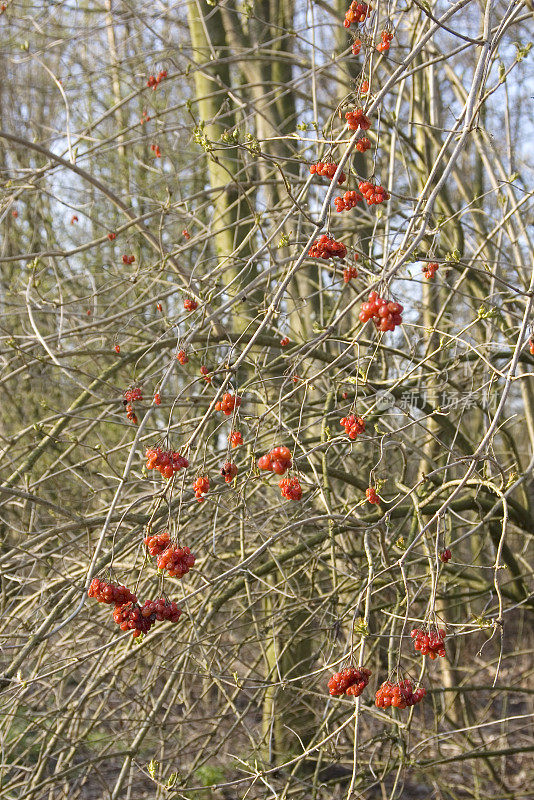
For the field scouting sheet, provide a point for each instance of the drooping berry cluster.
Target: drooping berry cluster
(181, 357)
(128, 614)
(176, 560)
(327, 248)
(353, 425)
(129, 397)
(235, 438)
(165, 461)
(153, 80)
(351, 681)
(373, 193)
(327, 169)
(284, 342)
(201, 487)
(144, 117)
(278, 460)
(291, 488)
(228, 403)
(384, 44)
(348, 201)
(398, 695)
(445, 555)
(430, 269)
(110, 593)
(228, 471)
(356, 13)
(385, 315)
(356, 47)
(371, 495)
(364, 143)
(357, 119)
(163, 610)
(155, 149)
(431, 643)
(190, 304)
(204, 371)
(129, 617)
(349, 273)
(128, 259)
(157, 543)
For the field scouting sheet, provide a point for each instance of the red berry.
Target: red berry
(228, 471)
(291, 488)
(201, 486)
(235, 438)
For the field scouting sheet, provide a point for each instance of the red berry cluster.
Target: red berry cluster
(349, 273)
(348, 201)
(430, 269)
(356, 47)
(357, 119)
(181, 357)
(112, 236)
(128, 614)
(128, 259)
(228, 403)
(363, 144)
(153, 81)
(155, 149)
(364, 88)
(144, 117)
(177, 561)
(429, 644)
(157, 399)
(371, 495)
(278, 460)
(531, 345)
(284, 342)
(235, 438)
(110, 593)
(204, 371)
(164, 610)
(328, 170)
(445, 555)
(186, 234)
(165, 461)
(398, 695)
(190, 304)
(157, 543)
(385, 315)
(291, 488)
(129, 617)
(201, 486)
(373, 193)
(327, 248)
(228, 471)
(356, 13)
(73, 219)
(131, 395)
(350, 681)
(384, 44)
(353, 425)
